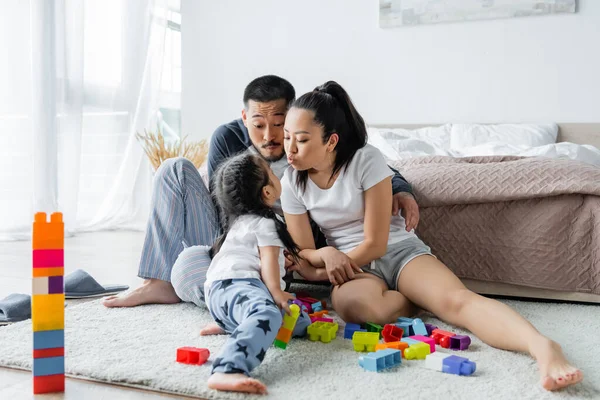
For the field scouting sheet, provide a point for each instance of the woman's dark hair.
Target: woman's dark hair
(334, 111)
(237, 189)
(269, 88)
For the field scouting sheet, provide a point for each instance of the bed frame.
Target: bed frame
(580, 133)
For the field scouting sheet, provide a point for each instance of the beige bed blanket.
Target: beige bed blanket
(525, 221)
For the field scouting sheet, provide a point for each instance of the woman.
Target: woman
(342, 182)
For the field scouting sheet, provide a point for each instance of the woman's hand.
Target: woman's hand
(340, 268)
(281, 299)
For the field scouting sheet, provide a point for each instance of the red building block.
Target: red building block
(49, 384)
(442, 337)
(392, 333)
(192, 355)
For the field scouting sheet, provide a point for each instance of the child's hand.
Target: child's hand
(282, 298)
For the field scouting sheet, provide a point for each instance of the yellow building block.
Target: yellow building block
(323, 331)
(365, 341)
(48, 312)
(48, 235)
(55, 271)
(289, 321)
(418, 351)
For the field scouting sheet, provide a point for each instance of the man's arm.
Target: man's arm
(399, 184)
(224, 143)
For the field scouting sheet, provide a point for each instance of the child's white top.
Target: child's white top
(239, 257)
(340, 210)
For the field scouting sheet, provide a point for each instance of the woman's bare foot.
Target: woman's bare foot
(211, 329)
(555, 371)
(236, 383)
(152, 291)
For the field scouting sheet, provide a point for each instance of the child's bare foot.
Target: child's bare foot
(211, 329)
(152, 291)
(555, 370)
(236, 383)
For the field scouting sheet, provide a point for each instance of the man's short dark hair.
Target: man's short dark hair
(269, 88)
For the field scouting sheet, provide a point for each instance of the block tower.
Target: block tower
(48, 304)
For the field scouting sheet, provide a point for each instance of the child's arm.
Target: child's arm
(269, 262)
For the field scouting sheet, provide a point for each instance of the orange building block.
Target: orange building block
(48, 235)
(41, 272)
(392, 345)
(284, 335)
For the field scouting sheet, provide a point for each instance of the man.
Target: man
(183, 219)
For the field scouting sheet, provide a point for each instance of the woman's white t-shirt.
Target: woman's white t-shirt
(239, 256)
(340, 210)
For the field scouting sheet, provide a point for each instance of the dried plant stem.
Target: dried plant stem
(157, 151)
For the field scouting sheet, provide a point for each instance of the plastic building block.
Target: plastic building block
(424, 339)
(319, 314)
(418, 327)
(365, 341)
(284, 335)
(392, 345)
(323, 331)
(49, 366)
(406, 325)
(48, 312)
(391, 333)
(450, 364)
(280, 344)
(48, 258)
(192, 355)
(48, 339)
(48, 285)
(322, 319)
(350, 329)
(48, 235)
(410, 341)
(442, 337)
(56, 271)
(380, 360)
(49, 384)
(371, 327)
(54, 352)
(430, 328)
(418, 351)
(316, 307)
(460, 342)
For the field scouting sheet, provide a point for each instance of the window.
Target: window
(170, 99)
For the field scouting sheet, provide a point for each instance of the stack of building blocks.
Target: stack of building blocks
(450, 364)
(365, 341)
(350, 329)
(48, 304)
(287, 328)
(392, 333)
(380, 360)
(323, 331)
(192, 355)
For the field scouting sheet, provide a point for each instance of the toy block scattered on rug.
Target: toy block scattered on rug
(365, 341)
(192, 355)
(322, 331)
(48, 303)
(450, 364)
(380, 360)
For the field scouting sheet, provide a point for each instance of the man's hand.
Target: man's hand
(340, 268)
(410, 209)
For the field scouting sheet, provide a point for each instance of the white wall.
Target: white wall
(530, 69)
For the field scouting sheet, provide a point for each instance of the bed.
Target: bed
(572, 270)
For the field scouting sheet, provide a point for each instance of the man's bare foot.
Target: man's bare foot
(555, 371)
(211, 329)
(236, 383)
(152, 291)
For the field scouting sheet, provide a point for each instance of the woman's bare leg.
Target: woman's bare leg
(367, 299)
(431, 285)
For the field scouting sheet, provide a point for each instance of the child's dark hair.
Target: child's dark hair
(335, 112)
(237, 189)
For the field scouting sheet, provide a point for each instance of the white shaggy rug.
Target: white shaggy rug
(137, 347)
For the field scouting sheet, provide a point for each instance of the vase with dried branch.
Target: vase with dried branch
(158, 150)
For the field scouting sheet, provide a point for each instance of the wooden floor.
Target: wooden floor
(110, 257)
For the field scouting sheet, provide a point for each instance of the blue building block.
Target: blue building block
(406, 324)
(350, 329)
(380, 360)
(419, 327)
(316, 307)
(410, 341)
(48, 366)
(48, 339)
(458, 365)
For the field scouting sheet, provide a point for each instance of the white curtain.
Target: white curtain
(78, 79)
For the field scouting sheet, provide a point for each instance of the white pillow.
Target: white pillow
(399, 143)
(528, 135)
